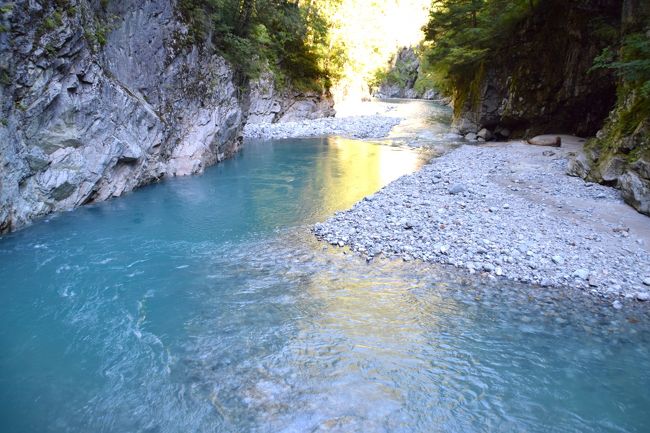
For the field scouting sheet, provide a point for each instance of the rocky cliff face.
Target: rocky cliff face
(99, 101)
(541, 82)
(401, 77)
(270, 105)
(99, 98)
(620, 153)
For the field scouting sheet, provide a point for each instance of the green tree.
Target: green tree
(287, 37)
(461, 34)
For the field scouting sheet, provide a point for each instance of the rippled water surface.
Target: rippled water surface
(204, 304)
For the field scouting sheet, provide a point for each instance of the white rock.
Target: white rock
(581, 273)
(643, 296)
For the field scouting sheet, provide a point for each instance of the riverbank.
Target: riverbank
(507, 210)
(367, 122)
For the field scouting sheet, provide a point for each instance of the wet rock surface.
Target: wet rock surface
(507, 211)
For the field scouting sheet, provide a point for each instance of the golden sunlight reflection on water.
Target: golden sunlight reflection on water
(359, 168)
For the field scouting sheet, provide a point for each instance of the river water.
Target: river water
(204, 304)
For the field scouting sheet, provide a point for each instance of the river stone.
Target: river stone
(612, 169)
(530, 242)
(583, 274)
(485, 134)
(578, 165)
(643, 296)
(545, 140)
(635, 191)
(457, 188)
(504, 132)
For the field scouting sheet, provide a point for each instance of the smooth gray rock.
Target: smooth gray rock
(578, 165)
(485, 134)
(465, 124)
(636, 191)
(457, 188)
(545, 140)
(583, 274)
(504, 132)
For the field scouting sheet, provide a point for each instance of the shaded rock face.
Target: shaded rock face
(270, 105)
(98, 102)
(620, 153)
(542, 84)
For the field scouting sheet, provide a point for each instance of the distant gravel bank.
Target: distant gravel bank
(507, 210)
(374, 126)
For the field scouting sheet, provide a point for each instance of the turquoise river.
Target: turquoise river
(204, 304)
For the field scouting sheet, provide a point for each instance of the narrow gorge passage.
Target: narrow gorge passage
(205, 304)
(310, 216)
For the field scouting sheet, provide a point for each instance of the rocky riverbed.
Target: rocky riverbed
(506, 210)
(362, 126)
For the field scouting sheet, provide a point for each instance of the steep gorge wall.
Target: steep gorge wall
(99, 98)
(99, 101)
(401, 78)
(539, 81)
(620, 153)
(268, 104)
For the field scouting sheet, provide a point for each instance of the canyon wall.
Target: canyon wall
(619, 155)
(543, 80)
(401, 78)
(268, 104)
(539, 80)
(100, 97)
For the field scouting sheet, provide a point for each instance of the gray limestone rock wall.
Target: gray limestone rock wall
(270, 105)
(97, 101)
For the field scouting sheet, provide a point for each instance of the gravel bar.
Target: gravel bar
(364, 127)
(507, 210)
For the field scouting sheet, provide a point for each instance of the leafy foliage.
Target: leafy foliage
(290, 38)
(632, 63)
(461, 34)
